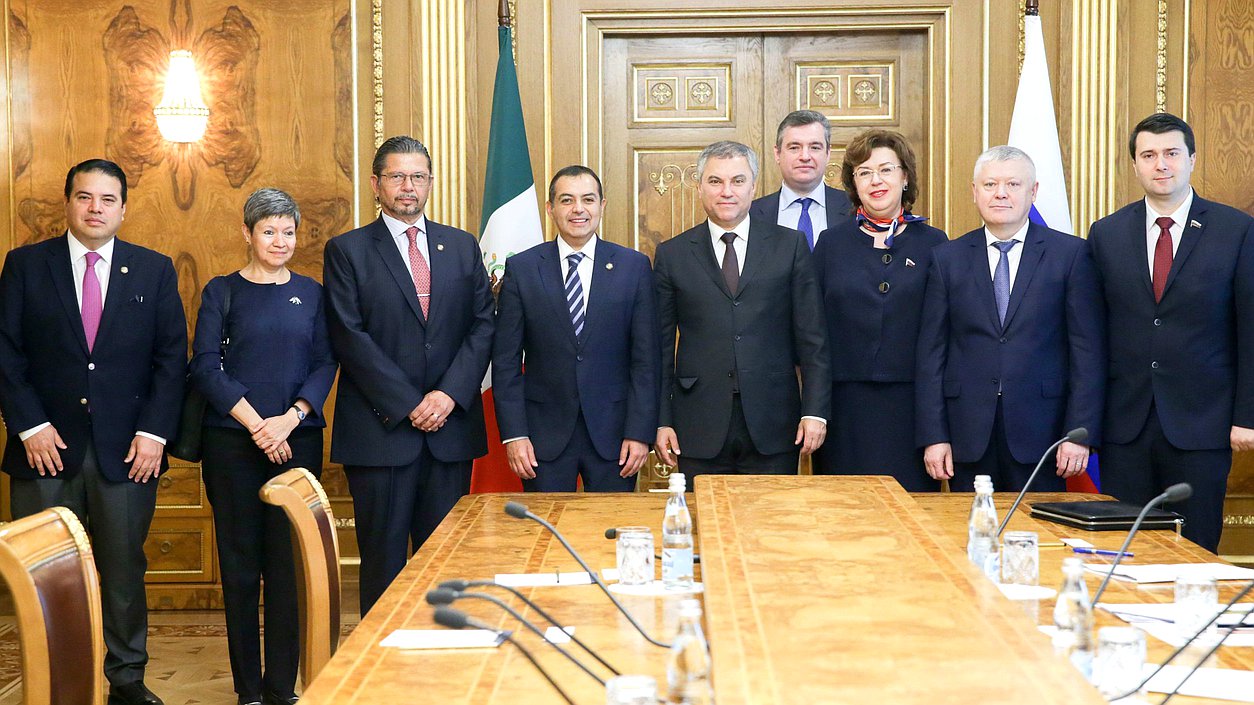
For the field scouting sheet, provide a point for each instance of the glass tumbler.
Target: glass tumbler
(1021, 558)
(634, 554)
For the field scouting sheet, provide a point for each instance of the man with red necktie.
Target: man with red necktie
(93, 354)
(1177, 274)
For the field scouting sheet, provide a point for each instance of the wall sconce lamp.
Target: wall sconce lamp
(182, 115)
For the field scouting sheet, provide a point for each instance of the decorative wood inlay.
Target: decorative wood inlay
(376, 67)
(681, 93)
(850, 93)
(666, 193)
(19, 92)
(342, 46)
(1160, 62)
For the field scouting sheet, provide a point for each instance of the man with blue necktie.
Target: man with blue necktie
(1177, 272)
(582, 313)
(804, 203)
(1012, 341)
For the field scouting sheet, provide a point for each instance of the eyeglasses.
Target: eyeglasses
(885, 172)
(421, 178)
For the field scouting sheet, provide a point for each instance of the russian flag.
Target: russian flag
(1034, 129)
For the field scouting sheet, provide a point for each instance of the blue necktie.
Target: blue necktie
(803, 223)
(1001, 279)
(574, 292)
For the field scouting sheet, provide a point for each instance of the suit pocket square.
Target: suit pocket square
(687, 382)
(137, 299)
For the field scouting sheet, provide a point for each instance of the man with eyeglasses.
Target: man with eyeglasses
(1012, 343)
(804, 202)
(409, 312)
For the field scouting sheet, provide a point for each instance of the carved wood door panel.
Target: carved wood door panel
(665, 98)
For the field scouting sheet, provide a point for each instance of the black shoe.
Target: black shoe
(248, 701)
(132, 694)
(272, 699)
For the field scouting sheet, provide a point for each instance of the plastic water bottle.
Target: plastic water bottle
(677, 538)
(982, 547)
(1073, 617)
(688, 674)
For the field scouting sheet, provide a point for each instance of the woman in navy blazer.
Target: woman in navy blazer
(262, 359)
(872, 271)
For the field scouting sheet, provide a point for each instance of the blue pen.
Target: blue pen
(1101, 552)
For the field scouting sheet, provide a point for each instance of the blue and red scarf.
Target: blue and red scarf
(890, 225)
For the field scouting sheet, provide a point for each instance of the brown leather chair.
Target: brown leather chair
(317, 561)
(46, 561)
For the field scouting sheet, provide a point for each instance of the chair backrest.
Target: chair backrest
(46, 561)
(317, 552)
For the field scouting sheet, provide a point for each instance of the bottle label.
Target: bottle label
(676, 565)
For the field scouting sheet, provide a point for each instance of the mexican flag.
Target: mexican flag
(511, 223)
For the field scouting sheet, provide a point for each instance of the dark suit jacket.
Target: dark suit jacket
(133, 378)
(1191, 355)
(837, 203)
(760, 336)
(611, 373)
(390, 357)
(1048, 359)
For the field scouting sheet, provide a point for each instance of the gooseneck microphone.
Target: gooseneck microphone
(456, 619)
(1075, 435)
(1249, 586)
(444, 596)
(520, 511)
(461, 585)
(1176, 493)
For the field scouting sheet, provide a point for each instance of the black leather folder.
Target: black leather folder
(1104, 516)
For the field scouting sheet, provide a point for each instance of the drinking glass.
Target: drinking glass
(1021, 558)
(1197, 600)
(1120, 659)
(631, 690)
(634, 554)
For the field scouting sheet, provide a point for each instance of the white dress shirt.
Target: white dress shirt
(1013, 256)
(78, 264)
(583, 270)
(397, 228)
(1179, 216)
(790, 208)
(740, 244)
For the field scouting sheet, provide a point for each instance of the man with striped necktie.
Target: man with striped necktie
(582, 313)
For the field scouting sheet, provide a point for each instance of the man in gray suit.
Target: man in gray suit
(742, 297)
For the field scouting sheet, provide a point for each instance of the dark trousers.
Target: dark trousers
(1009, 475)
(579, 459)
(117, 516)
(871, 432)
(255, 552)
(1136, 472)
(738, 455)
(396, 508)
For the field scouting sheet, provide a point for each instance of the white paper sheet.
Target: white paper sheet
(1168, 572)
(542, 579)
(442, 639)
(1218, 683)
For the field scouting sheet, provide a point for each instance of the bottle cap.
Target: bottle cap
(677, 480)
(690, 608)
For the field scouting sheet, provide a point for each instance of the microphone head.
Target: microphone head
(611, 533)
(457, 585)
(1078, 435)
(441, 596)
(517, 510)
(446, 616)
(1179, 492)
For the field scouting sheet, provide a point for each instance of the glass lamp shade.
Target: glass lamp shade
(182, 115)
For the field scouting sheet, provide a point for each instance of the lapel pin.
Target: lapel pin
(124, 270)
(909, 262)
(295, 300)
(1194, 224)
(440, 247)
(609, 265)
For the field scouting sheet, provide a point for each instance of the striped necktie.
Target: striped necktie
(574, 292)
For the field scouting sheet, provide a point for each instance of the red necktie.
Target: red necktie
(419, 270)
(1162, 256)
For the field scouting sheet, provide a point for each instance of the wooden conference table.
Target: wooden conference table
(818, 590)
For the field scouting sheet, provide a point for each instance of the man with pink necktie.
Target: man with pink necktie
(93, 353)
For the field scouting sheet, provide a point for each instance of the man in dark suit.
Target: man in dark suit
(410, 320)
(1177, 272)
(582, 313)
(804, 203)
(742, 297)
(1011, 343)
(93, 353)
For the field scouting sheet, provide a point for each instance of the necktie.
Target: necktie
(1162, 256)
(804, 224)
(1001, 279)
(93, 301)
(731, 265)
(419, 270)
(574, 292)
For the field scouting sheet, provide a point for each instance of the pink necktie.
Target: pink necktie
(419, 270)
(93, 302)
